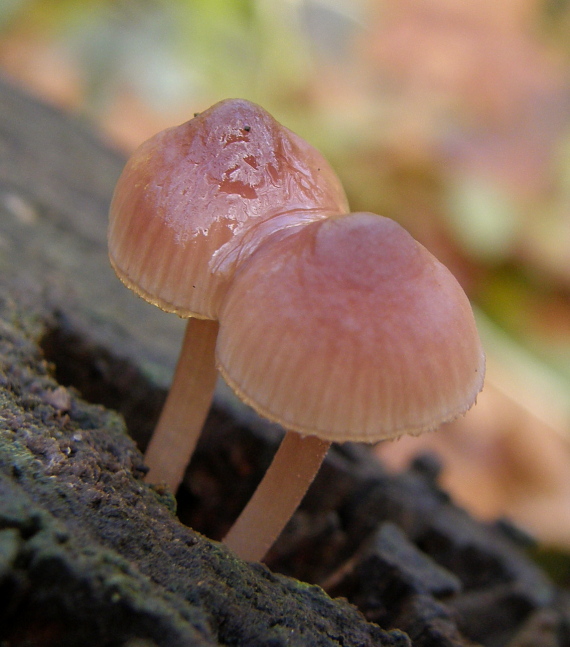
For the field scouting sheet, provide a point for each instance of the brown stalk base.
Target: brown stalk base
(190, 397)
(293, 469)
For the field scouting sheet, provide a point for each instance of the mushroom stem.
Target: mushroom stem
(186, 406)
(292, 470)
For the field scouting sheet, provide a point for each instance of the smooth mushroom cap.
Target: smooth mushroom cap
(186, 206)
(349, 329)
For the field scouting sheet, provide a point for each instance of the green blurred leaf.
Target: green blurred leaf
(484, 217)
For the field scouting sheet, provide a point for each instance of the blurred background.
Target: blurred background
(451, 117)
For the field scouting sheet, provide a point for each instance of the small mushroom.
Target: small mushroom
(191, 204)
(344, 329)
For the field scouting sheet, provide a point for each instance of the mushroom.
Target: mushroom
(191, 204)
(343, 329)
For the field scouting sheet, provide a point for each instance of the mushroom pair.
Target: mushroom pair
(337, 325)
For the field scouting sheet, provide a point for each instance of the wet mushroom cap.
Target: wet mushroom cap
(195, 199)
(349, 329)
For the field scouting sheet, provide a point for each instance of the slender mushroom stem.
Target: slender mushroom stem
(186, 406)
(292, 470)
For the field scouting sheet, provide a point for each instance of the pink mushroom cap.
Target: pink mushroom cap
(196, 199)
(349, 329)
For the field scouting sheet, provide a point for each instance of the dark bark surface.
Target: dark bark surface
(90, 555)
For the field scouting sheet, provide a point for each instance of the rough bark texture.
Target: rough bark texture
(90, 555)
